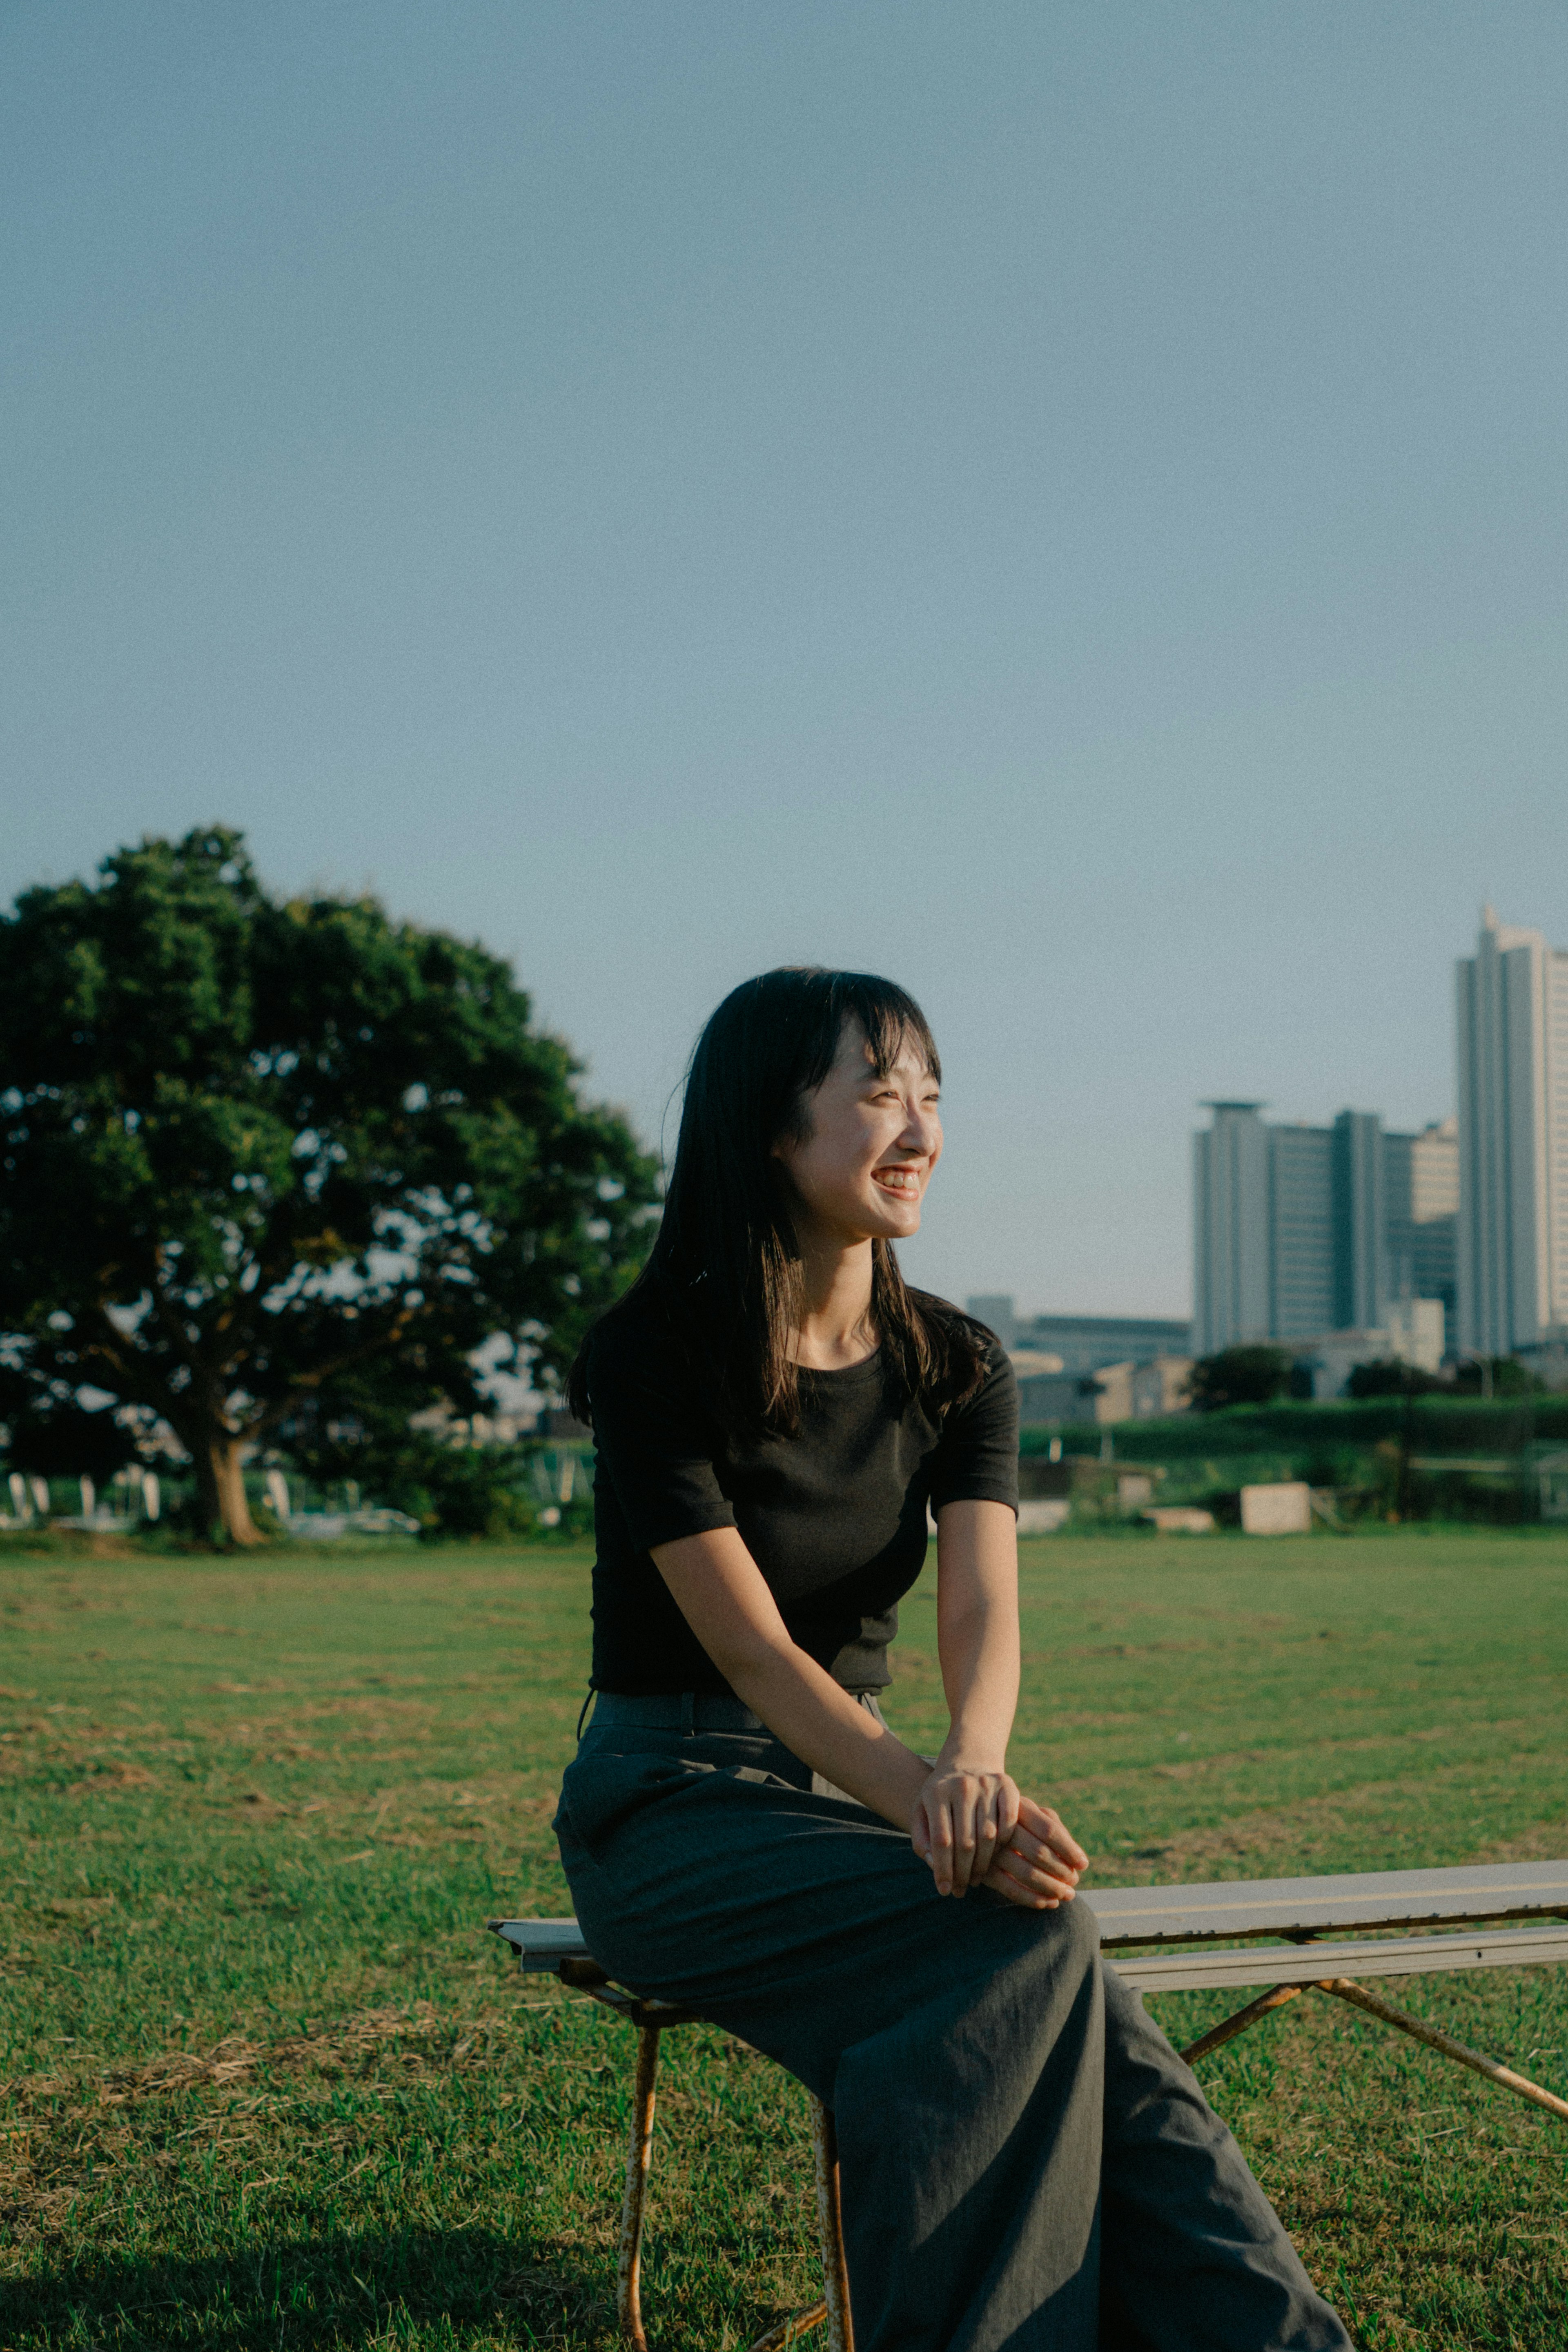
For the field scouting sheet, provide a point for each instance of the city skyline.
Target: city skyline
(1300, 1231)
(1356, 1240)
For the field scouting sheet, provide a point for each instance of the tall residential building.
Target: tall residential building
(1231, 1228)
(1360, 1206)
(1303, 1230)
(1300, 1240)
(1512, 1036)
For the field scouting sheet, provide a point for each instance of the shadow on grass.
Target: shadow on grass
(434, 2286)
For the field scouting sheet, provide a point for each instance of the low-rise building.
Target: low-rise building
(1110, 1396)
(1411, 1333)
(1054, 1399)
(1085, 1343)
(1160, 1387)
(1125, 1391)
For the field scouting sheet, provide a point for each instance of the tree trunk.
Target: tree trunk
(222, 1486)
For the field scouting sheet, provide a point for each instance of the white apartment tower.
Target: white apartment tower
(1512, 1034)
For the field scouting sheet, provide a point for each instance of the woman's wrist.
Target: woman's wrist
(967, 1752)
(914, 1772)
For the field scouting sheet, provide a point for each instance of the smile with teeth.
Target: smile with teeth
(896, 1179)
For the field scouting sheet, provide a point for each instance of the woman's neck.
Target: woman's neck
(836, 1329)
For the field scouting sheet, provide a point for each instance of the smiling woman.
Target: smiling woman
(1025, 2161)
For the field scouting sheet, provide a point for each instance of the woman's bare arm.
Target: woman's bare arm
(970, 1821)
(724, 1597)
(722, 1594)
(968, 1806)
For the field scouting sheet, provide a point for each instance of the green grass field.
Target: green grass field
(268, 2082)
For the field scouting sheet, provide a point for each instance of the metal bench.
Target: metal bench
(1267, 1932)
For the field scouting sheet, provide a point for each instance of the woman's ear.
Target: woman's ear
(793, 1135)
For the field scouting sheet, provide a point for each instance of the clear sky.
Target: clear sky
(1061, 503)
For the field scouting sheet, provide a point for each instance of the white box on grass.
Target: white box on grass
(1283, 1510)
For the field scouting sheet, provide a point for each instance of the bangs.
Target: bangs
(887, 1014)
(890, 1017)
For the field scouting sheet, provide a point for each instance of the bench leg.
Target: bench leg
(789, 2331)
(830, 2231)
(629, 2260)
(1218, 2035)
(834, 2306)
(1345, 1988)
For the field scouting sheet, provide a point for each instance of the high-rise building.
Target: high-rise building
(1359, 1210)
(1231, 1221)
(1303, 1230)
(1512, 1038)
(1300, 1240)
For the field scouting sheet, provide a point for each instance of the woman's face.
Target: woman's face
(872, 1142)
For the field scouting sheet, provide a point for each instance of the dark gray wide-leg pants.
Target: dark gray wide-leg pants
(1026, 2163)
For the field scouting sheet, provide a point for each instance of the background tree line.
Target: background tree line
(1261, 1373)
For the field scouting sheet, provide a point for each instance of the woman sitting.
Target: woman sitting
(1025, 2161)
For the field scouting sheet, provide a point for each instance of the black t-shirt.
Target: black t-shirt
(835, 1518)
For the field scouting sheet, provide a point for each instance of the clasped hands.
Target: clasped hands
(976, 1828)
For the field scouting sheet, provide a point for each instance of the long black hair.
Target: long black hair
(727, 1263)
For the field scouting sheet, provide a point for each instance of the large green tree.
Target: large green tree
(256, 1151)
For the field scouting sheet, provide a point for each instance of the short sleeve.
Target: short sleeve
(651, 1438)
(977, 1459)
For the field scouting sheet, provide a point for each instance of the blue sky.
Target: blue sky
(1064, 504)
